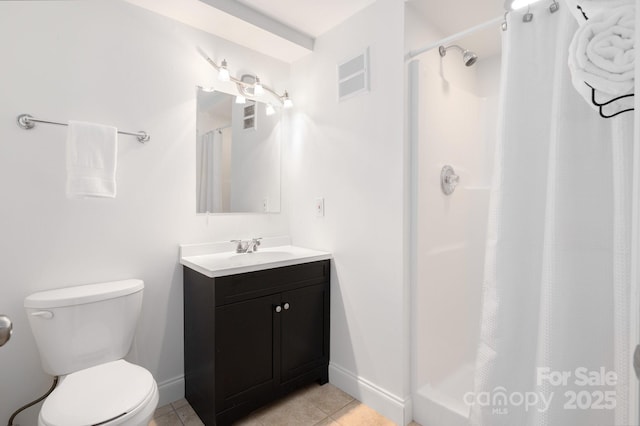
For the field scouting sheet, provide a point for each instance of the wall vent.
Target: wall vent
(353, 76)
(249, 115)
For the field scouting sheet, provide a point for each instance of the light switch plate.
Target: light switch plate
(319, 207)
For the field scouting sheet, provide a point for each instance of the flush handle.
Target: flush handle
(6, 328)
(42, 314)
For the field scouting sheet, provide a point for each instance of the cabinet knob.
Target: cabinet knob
(286, 306)
(278, 308)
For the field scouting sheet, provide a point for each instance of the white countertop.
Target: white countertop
(210, 260)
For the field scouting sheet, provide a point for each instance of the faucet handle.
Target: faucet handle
(256, 243)
(240, 245)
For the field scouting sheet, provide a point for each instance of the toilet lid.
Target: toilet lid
(97, 395)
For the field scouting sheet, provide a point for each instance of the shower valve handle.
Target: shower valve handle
(452, 179)
(448, 180)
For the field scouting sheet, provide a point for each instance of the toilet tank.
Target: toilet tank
(83, 326)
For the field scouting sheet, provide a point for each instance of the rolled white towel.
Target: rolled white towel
(602, 55)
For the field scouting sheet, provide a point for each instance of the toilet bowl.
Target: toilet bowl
(83, 333)
(115, 393)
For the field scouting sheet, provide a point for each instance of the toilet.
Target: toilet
(83, 333)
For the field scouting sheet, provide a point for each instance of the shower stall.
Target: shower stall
(455, 115)
(524, 224)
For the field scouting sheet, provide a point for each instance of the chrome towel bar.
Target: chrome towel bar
(27, 122)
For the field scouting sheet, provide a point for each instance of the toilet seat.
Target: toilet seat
(107, 394)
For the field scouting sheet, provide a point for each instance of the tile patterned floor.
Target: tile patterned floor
(312, 406)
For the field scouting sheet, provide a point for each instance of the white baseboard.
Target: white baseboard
(396, 409)
(171, 390)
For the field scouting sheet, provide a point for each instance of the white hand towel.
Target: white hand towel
(92, 151)
(602, 55)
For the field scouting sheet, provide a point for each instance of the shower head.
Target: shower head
(468, 57)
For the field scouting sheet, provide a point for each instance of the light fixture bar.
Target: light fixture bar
(256, 85)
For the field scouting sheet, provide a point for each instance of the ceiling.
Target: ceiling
(310, 17)
(276, 27)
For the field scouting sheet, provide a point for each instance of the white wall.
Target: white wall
(352, 153)
(109, 62)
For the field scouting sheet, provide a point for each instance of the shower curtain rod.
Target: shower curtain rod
(455, 37)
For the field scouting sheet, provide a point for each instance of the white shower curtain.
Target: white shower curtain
(210, 196)
(555, 327)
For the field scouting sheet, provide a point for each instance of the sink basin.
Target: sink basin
(230, 263)
(240, 259)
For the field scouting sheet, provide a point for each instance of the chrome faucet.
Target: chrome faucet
(248, 246)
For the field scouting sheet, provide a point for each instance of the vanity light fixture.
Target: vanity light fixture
(286, 101)
(249, 86)
(258, 90)
(223, 72)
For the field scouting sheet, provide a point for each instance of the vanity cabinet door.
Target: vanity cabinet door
(254, 337)
(244, 351)
(304, 330)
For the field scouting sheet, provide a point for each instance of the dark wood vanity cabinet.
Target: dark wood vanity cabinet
(254, 337)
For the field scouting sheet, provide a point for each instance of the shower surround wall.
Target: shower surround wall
(456, 119)
(109, 62)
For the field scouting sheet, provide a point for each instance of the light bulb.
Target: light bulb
(519, 4)
(223, 72)
(241, 100)
(286, 102)
(270, 110)
(258, 90)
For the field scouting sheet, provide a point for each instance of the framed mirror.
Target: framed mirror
(237, 155)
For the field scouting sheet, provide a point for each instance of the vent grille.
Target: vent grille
(249, 117)
(353, 76)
